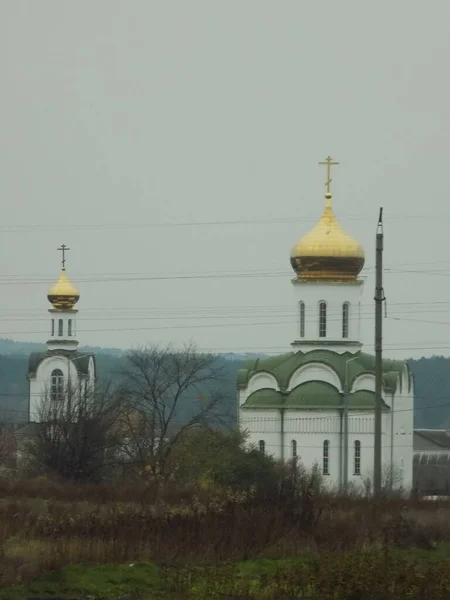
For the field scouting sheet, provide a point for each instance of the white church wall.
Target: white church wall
(403, 426)
(310, 430)
(357, 476)
(40, 384)
(91, 373)
(265, 426)
(361, 430)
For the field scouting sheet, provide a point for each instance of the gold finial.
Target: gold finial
(329, 163)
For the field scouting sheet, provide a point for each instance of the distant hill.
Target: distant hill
(432, 392)
(431, 379)
(13, 347)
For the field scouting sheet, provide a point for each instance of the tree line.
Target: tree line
(166, 416)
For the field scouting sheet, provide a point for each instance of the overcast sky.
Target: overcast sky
(126, 124)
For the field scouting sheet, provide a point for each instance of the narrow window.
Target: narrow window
(53, 327)
(357, 458)
(60, 327)
(57, 385)
(302, 319)
(69, 327)
(322, 319)
(326, 457)
(294, 449)
(262, 446)
(345, 319)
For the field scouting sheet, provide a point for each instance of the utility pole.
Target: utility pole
(379, 298)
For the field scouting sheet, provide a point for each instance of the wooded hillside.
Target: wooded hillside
(431, 377)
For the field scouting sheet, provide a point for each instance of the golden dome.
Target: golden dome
(63, 295)
(327, 252)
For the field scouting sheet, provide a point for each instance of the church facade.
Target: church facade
(316, 403)
(61, 371)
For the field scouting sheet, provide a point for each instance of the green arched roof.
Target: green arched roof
(310, 395)
(283, 366)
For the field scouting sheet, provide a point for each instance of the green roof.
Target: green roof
(283, 366)
(79, 359)
(310, 395)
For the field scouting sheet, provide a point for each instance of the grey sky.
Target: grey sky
(140, 113)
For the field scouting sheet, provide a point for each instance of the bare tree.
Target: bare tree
(167, 392)
(7, 445)
(391, 480)
(76, 436)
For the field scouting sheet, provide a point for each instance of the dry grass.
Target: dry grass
(46, 526)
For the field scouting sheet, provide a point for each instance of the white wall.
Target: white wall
(402, 430)
(40, 383)
(335, 295)
(263, 425)
(64, 341)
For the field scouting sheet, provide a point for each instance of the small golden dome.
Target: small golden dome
(327, 252)
(63, 295)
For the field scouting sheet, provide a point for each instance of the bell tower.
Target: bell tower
(61, 372)
(327, 290)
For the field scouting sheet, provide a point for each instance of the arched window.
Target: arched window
(69, 327)
(60, 327)
(326, 458)
(345, 319)
(322, 319)
(57, 385)
(357, 458)
(262, 446)
(53, 326)
(302, 319)
(294, 449)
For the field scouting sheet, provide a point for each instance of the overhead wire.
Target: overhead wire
(244, 274)
(24, 227)
(210, 325)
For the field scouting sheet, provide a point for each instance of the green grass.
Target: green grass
(146, 581)
(271, 566)
(440, 553)
(106, 582)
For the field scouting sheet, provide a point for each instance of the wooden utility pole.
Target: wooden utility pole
(379, 298)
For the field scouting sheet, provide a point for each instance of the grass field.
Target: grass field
(286, 578)
(79, 543)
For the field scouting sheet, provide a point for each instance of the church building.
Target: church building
(61, 370)
(316, 403)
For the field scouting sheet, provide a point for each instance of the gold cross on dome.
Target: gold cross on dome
(63, 249)
(329, 163)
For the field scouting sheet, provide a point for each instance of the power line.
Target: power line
(212, 223)
(25, 228)
(185, 314)
(209, 325)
